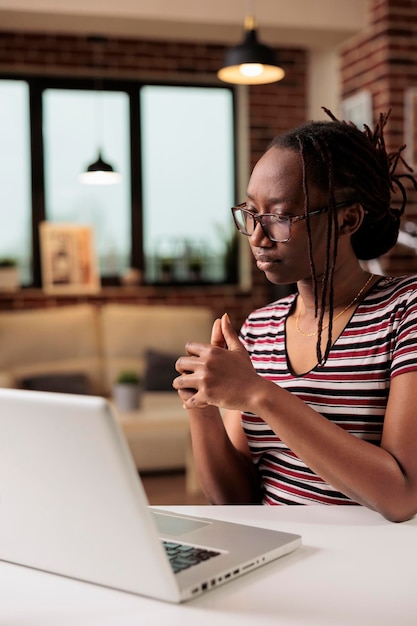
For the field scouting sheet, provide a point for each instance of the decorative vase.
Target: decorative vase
(127, 396)
(9, 278)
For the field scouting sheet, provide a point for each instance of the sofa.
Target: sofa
(82, 348)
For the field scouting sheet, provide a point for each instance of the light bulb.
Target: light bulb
(251, 69)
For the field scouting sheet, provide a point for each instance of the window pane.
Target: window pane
(15, 189)
(188, 181)
(77, 124)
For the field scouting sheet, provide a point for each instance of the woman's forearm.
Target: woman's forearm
(226, 475)
(368, 474)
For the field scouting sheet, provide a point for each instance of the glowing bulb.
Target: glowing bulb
(251, 69)
(100, 178)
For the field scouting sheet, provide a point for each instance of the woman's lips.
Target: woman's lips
(266, 264)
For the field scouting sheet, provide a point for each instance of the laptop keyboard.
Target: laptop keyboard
(182, 556)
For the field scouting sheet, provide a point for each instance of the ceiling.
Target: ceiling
(314, 24)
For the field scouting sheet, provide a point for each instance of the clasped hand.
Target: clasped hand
(219, 373)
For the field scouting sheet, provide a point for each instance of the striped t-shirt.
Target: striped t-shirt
(351, 389)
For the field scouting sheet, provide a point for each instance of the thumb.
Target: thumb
(230, 335)
(217, 338)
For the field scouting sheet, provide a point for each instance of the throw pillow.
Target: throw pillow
(159, 371)
(59, 383)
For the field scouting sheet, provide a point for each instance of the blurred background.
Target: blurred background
(136, 84)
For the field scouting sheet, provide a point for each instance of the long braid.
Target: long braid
(327, 288)
(331, 255)
(327, 275)
(308, 226)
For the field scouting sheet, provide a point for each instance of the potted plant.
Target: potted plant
(167, 269)
(195, 266)
(127, 390)
(9, 274)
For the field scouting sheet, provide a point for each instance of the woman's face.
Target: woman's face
(276, 187)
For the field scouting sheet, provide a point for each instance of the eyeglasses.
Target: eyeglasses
(275, 226)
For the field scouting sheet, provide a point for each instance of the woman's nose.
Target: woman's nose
(259, 239)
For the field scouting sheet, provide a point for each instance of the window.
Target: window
(187, 170)
(174, 146)
(15, 175)
(73, 132)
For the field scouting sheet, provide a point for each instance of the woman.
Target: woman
(320, 389)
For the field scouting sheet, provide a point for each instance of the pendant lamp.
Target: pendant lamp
(250, 62)
(99, 172)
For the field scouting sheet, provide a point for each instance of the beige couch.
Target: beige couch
(96, 343)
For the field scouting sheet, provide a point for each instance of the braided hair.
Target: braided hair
(338, 157)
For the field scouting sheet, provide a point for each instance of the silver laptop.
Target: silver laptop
(72, 503)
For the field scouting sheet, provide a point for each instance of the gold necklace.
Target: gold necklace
(355, 299)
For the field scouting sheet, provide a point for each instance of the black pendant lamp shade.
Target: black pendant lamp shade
(250, 62)
(100, 173)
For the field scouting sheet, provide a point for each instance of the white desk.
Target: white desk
(353, 568)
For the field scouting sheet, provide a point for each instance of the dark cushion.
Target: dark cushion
(159, 371)
(59, 383)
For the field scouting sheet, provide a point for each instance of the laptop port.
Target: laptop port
(248, 565)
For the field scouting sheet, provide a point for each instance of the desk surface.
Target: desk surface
(354, 568)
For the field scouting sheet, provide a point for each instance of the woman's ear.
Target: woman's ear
(350, 219)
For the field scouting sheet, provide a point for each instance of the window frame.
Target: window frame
(132, 87)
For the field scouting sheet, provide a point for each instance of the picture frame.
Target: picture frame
(68, 260)
(410, 126)
(358, 109)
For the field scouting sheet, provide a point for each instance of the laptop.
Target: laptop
(72, 503)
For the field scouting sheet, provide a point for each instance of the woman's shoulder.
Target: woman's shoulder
(396, 285)
(277, 307)
(271, 314)
(391, 293)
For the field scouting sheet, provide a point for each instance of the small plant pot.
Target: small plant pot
(127, 396)
(9, 279)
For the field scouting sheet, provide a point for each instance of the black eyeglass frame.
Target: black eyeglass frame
(289, 219)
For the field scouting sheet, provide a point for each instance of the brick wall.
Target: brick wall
(384, 61)
(273, 108)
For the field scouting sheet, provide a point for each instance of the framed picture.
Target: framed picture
(358, 109)
(68, 259)
(410, 126)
